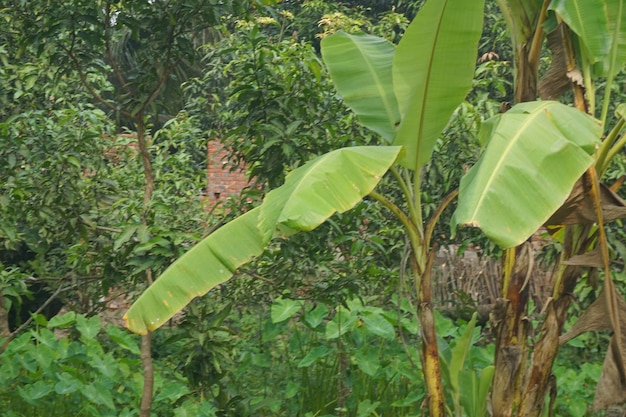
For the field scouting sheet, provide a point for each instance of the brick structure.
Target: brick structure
(221, 180)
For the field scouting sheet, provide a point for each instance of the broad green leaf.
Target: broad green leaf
(65, 320)
(206, 265)
(331, 183)
(88, 327)
(378, 325)
(284, 309)
(33, 392)
(124, 339)
(125, 236)
(67, 384)
(341, 323)
(367, 361)
(433, 69)
(484, 386)
(367, 408)
(588, 19)
(313, 356)
(537, 152)
(360, 67)
(316, 316)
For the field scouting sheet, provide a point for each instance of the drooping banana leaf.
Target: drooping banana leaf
(360, 67)
(206, 265)
(331, 183)
(432, 72)
(588, 19)
(536, 154)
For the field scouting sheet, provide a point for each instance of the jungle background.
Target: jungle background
(106, 110)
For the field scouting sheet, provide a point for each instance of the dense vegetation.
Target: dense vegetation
(105, 114)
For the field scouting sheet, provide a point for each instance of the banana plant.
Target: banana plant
(542, 166)
(406, 94)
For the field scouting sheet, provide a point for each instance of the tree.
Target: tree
(144, 45)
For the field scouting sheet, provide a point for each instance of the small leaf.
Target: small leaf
(123, 339)
(367, 362)
(284, 309)
(313, 356)
(316, 316)
(460, 351)
(340, 324)
(67, 384)
(367, 408)
(88, 328)
(124, 236)
(65, 320)
(378, 325)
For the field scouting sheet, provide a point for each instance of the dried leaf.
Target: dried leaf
(592, 258)
(555, 81)
(579, 207)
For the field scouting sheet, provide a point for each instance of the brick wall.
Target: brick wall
(221, 181)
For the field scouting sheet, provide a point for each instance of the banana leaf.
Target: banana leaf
(588, 19)
(206, 265)
(360, 67)
(432, 72)
(536, 153)
(334, 182)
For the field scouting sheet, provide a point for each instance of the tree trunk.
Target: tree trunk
(547, 347)
(146, 340)
(511, 331)
(429, 350)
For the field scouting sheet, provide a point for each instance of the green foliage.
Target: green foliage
(53, 164)
(277, 96)
(84, 370)
(331, 361)
(344, 176)
(466, 368)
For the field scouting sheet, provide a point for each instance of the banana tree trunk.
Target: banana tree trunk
(512, 331)
(547, 346)
(429, 349)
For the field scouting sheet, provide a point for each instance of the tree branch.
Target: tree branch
(92, 91)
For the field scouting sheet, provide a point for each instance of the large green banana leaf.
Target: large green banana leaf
(432, 72)
(536, 153)
(331, 183)
(360, 67)
(206, 265)
(334, 182)
(588, 19)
